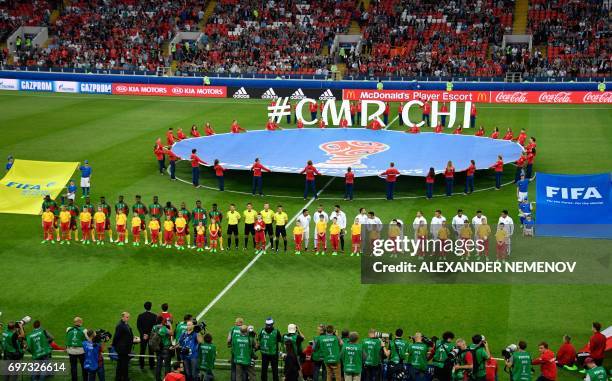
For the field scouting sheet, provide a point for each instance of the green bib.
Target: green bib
(241, 350)
(441, 353)
(75, 337)
(597, 374)
(208, 354)
(372, 346)
(521, 366)
(38, 344)
(417, 355)
(331, 349)
(268, 342)
(398, 350)
(352, 358)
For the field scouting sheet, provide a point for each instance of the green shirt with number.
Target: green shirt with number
(38, 344)
(317, 353)
(597, 374)
(521, 366)
(352, 358)
(75, 337)
(331, 348)
(397, 347)
(371, 347)
(242, 350)
(417, 355)
(268, 341)
(208, 354)
(442, 349)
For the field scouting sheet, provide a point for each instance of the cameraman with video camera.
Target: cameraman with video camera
(397, 357)
(440, 360)
(160, 342)
(480, 355)
(189, 344)
(519, 363)
(463, 361)
(417, 357)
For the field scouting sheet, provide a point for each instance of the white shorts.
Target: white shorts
(522, 196)
(84, 182)
(71, 196)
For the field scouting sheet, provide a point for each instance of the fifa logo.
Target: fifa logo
(349, 153)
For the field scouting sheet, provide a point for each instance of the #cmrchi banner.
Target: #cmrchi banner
(514, 97)
(169, 90)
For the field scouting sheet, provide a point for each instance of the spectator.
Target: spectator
(548, 368)
(145, 323)
(123, 339)
(566, 355)
(75, 336)
(597, 344)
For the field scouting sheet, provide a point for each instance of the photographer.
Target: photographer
(331, 345)
(548, 367)
(189, 344)
(181, 327)
(208, 355)
(160, 342)
(75, 336)
(234, 331)
(269, 338)
(442, 367)
(352, 358)
(480, 355)
(417, 358)
(14, 341)
(464, 363)
(145, 323)
(297, 338)
(38, 342)
(397, 357)
(242, 353)
(317, 355)
(520, 363)
(374, 350)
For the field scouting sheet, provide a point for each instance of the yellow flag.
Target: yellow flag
(26, 184)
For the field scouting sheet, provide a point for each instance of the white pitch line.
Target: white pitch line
(252, 262)
(392, 121)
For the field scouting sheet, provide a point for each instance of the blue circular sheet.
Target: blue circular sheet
(332, 150)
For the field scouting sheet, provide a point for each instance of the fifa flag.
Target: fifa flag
(26, 184)
(574, 205)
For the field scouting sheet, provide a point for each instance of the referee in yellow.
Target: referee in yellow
(267, 215)
(233, 216)
(249, 224)
(281, 219)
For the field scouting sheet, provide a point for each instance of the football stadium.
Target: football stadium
(243, 190)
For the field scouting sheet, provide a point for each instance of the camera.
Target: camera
(453, 354)
(199, 327)
(24, 320)
(185, 351)
(251, 331)
(385, 336)
(508, 351)
(102, 336)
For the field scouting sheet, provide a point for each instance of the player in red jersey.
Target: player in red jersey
(194, 131)
(257, 168)
(414, 129)
(260, 235)
(438, 128)
(236, 129)
(449, 176)
(300, 123)
(530, 158)
(353, 110)
(473, 114)
(509, 134)
(322, 123)
(312, 107)
(272, 126)
(532, 144)
(400, 108)
(358, 111)
(499, 171)
(469, 177)
(310, 172)
(219, 174)
(390, 176)
(458, 130)
(208, 130)
(375, 124)
(161, 158)
(349, 182)
(180, 135)
(522, 136)
(443, 116)
(170, 137)
(343, 123)
(480, 131)
(426, 111)
(195, 167)
(386, 113)
(495, 134)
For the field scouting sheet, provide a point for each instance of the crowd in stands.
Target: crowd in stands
(16, 13)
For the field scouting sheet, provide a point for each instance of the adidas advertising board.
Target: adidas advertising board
(270, 93)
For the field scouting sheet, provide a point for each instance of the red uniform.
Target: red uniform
(209, 131)
(566, 355)
(257, 168)
(159, 152)
(180, 134)
(343, 123)
(136, 233)
(321, 123)
(430, 179)
(548, 367)
(271, 126)
(169, 138)
(470, 170)
(449, 173)
(387, 108)
(171, 155)
(473, 110)
(237, 129)
(260, 235)
(444, 108)
(520, 139)
(438, 129)
(310, 172)
(219, 170)
(498, 166)
(86, 228)
(155, 235)
(530, 157)
(375, 124)
(353, 109)
(521, 161)
(195, 160)
(300, 123)
(530, 147)
(297, 238)
(495, 135)
(391, 174)
(335, 241)
(457, 131)
(480, 132)
(597, 346)
(426, 108)
(349, 178)
(312, 107)
(195, 133)
(509, 135)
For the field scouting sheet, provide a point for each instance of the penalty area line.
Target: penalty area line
(256, 258)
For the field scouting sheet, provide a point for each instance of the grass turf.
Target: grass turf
(116, 135)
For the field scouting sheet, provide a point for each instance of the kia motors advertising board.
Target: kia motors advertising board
(169, 90)
(513, 97)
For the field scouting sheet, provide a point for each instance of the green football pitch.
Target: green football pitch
(116, 134)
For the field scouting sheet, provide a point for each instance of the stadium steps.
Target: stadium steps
(521, 9)
(54, 16)
(210, 8)
(354, 28)
(341, 71)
